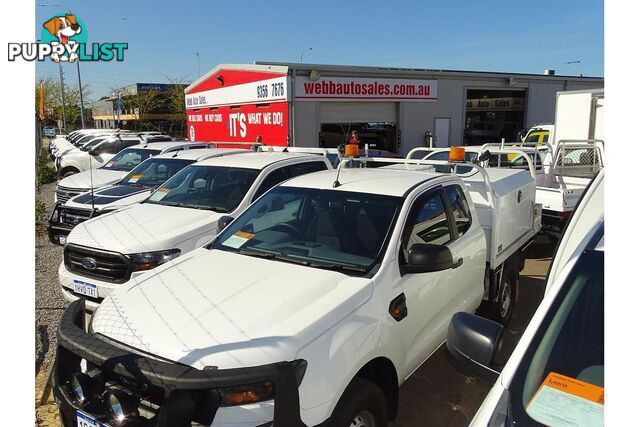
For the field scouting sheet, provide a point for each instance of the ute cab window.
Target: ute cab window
(129, 159)
(153, 172)
(427, 223)
(324, 229)
(220, 189)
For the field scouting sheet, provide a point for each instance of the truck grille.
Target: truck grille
(74, 216)
(107, 266)
(63, 194)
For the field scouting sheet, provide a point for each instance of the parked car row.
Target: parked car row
(231, 287)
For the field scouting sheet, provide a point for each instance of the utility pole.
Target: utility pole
(81, 100)
(64, 114)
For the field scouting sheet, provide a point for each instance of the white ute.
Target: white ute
(181, 215)
(133, 188)
(116, 168)
(310, 308)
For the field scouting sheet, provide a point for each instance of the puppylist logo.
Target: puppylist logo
(64, 38)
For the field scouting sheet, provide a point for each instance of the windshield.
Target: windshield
(216, 188)
(128, 159)
(83, 139)
(88, 146)
(567, 350)
(154, 172)
(328, 229)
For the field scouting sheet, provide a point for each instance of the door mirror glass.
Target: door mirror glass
(426, 257)
(224, 221)
(474, 341)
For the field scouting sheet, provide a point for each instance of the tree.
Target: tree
(53, 102)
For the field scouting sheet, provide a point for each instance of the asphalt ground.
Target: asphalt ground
(439, 393)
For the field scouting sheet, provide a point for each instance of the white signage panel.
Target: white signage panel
(262, 91)
(374, 89)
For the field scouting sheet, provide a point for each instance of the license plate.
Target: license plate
(62, 239)
(85, 420)
(84, 288)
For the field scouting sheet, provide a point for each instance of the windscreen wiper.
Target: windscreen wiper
(337, 267)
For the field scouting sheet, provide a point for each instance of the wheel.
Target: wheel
(503, 309)
(68, 172)
(362, 405)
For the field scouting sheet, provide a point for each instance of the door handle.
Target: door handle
(458, 263)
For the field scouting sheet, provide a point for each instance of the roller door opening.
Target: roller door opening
(374, 122)
(492, 115)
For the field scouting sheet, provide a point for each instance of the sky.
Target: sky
(495, 35)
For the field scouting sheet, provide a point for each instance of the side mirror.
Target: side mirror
(93, 152)
(425, 258)
(474, 341)
(223, 222)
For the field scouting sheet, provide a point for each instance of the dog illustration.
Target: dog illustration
(63, 28)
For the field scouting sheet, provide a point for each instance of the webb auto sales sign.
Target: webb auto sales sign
(370, 89)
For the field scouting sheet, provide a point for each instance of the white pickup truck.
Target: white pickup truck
(181, 215)
(133, 188)
(116, 168)
(560, 355)
(311, 308)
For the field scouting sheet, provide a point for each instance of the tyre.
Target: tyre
(503, 307)
(362, 405)
(68, 172)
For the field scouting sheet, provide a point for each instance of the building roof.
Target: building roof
(419, 72)
(385, 181)
(263, 68)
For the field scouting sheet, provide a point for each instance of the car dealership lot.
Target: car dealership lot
(439, 390)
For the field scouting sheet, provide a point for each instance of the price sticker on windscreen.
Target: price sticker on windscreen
(563, 401)
(159, 194)
(238, 239)
(135, 177)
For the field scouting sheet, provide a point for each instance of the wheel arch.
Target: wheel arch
(382, 372)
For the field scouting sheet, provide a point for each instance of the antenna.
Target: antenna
(93, 206)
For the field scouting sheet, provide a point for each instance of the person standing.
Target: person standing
(354, 138)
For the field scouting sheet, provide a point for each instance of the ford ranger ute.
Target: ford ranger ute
(311, 308)
(116, 168)
(180, 216)
(133, 188)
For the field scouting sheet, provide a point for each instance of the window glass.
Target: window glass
(220, 189)
(569, 343)
(430, 224)
(107, 147)
(128, 159)
(153, 172)
(308, 167)
(336, 230)
(129, 142)
(274, 178)
(459, 208)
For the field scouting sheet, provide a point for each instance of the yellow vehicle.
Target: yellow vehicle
(537, 135)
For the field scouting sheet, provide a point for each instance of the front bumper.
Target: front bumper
(180, 388)
(58, 230)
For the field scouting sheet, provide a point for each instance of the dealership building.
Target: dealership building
(392, 109)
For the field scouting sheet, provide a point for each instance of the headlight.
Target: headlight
(121, 405)
(149, 260)
(83, 387)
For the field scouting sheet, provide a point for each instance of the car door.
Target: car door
(431, 298)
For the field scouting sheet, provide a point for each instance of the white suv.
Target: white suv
(181, 215)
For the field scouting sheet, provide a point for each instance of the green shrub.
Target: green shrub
(41, 211)
(44, 172)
